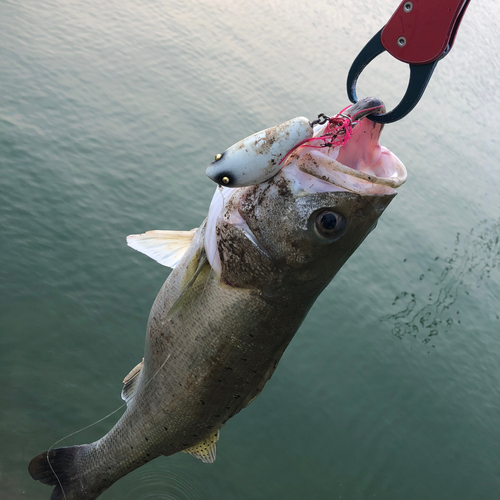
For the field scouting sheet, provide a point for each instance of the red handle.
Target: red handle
(420, 30)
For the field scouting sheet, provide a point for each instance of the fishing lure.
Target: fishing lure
(258, 157)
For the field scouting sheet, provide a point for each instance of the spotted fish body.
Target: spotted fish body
(237, 294)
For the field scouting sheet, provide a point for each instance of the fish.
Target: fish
(241, 285)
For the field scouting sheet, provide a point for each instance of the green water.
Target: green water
(109, 113)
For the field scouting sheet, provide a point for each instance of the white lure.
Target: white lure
(258, 157)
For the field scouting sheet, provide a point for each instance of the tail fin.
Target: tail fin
(60, 472)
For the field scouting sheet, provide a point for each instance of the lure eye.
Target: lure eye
(330, 225)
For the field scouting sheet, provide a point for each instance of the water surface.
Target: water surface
(109, 113)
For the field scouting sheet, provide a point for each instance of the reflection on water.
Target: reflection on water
(171, 480)
(475, 256)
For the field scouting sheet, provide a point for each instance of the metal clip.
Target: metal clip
(321, 120)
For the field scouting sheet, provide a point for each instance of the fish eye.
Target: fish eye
(330, 225)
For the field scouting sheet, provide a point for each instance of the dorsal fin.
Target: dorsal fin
(205, 450)
(166, 247)
(130, 382)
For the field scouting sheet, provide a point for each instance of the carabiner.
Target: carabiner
(419, 33)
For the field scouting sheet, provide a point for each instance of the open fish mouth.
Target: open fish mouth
(358, 163)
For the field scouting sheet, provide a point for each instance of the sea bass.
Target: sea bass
(241, 285)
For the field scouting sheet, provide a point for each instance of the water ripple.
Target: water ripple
(171, 478)
(474, 259)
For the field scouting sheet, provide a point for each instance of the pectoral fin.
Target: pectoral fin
(193, 269)
(205, 450)
(130, 382)
(166, 247)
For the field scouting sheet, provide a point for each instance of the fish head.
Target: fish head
(294, 232)
(311, 235)
(271, 237)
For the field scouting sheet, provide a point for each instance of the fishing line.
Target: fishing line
(95, 423)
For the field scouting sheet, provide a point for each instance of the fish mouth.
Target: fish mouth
(357, 162)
